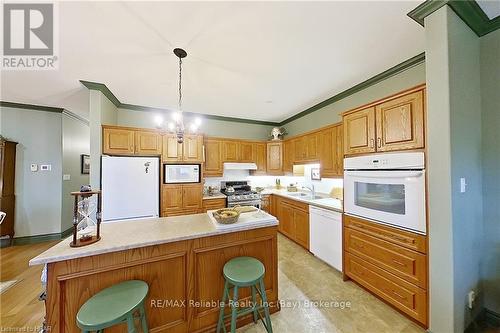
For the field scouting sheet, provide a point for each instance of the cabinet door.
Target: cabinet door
(213, 158)
(274, 158)
(312, 146)
(301, 220)
(339, 156)
(328, 152)
(192, 196)
(230, 151)
(171, 151)
(300, 148)
(118, 141)
(171, 197)
(247, 152)
(288, 156)
(400, 123)
(260, 150)
(286, 218)
(147, 143)
(193, 148)
(359, 132)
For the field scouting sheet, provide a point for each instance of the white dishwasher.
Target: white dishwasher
(326, 235)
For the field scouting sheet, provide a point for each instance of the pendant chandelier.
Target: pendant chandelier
(177, 126)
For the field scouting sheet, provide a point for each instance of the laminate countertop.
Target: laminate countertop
(214, 196)
(125, 235)
(323, 200)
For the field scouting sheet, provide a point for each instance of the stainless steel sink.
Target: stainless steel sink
(306, 196)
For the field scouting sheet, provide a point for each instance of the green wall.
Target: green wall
(331, 114)
(490, 94)
(210, 127)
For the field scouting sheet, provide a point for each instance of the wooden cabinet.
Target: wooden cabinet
(181, 199)
(7, 183)
(400, 123)
(312, 146)
(397, 123)
(230, 151)
(213, 158)
(266, 203)
(190, 151)
(260, 158)
(213, 204)
(147, 143)
(300, 149)
(247, 152)
(118, 141)
(389, 262)
(359, 132)
(275, 158)
(288, 156)
(331, 154)
(293, 219)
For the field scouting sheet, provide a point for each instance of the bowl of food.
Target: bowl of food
(226, 215)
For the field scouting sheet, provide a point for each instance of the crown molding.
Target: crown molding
(468, 10)
(31, 107)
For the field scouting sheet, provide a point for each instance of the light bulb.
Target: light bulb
(171, 126)
(193, 128)
(176, 116)
(197, 121)
(158, 121)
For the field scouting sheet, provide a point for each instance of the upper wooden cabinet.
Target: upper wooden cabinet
(190, 151)
(260, 157)
(288, 155)
(397, 123)
(300, 149)
(400, 123)
(247, 152)
(147, 143)
(275, 158)
(331, 155)
(118, 141)
(213, 158)
(359, 132)
(312, 146)
(230, 151)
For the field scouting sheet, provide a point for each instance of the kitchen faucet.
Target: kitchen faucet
(313, 192)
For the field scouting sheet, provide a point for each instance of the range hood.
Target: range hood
(240, 166)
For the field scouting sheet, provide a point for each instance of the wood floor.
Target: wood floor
(20, 308)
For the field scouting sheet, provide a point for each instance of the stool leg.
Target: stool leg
(254, 301)
(234, 310)
(130, 323)
(269, 328)
(225, 292)
(144, 320)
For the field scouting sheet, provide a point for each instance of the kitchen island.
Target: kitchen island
(181, 259)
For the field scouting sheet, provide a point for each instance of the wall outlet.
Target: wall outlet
(472, 299)
(463, 185)
(66, 177)
(34, 167)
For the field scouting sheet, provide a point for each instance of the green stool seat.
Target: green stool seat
(243, 272)
(114, 305)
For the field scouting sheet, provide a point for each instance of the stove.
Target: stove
(240, 193)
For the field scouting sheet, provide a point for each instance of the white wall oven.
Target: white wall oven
(387, 188)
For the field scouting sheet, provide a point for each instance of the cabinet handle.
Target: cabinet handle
(398, 294)
(372, 143)
(379, 142)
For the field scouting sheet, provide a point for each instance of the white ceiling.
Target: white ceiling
(490, 7)
(254, 60)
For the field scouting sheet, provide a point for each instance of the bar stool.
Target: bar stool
(114, 305)
(243, 272)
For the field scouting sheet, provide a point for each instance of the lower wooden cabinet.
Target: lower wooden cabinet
(266, 203)
(293, 219)
(389, 262)
(213, 204)
(181, 199)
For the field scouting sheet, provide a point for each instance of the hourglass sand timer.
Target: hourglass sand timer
(86, 218)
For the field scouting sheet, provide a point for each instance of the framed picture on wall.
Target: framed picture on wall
(85, 164)
(315, 174)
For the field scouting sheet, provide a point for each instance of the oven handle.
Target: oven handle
(385, 174)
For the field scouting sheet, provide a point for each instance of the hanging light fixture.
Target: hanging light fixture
(177, 127)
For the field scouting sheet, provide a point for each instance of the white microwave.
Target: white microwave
(181, 173)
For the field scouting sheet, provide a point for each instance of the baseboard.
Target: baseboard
(492, 318)
(36, 239)
(484, 319)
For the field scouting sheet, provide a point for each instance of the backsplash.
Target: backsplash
(324, 185)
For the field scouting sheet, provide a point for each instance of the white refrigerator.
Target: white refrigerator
(130, 187)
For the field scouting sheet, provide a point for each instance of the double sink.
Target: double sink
(305, 196)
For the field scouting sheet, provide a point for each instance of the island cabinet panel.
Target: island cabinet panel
(185, 280)
(213, 158)
(359, 132)
(400, 123)
(117, 141)
(147, 143)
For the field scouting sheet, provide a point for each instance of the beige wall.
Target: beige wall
(331, 114)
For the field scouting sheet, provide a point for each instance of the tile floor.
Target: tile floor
(302, 277)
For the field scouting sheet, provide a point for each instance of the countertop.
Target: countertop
(217, 195)
(124, 235)
(325, 202)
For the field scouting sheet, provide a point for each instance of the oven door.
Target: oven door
(396, 198)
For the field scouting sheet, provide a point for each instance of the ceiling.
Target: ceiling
(490, 7)
(254, 60)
